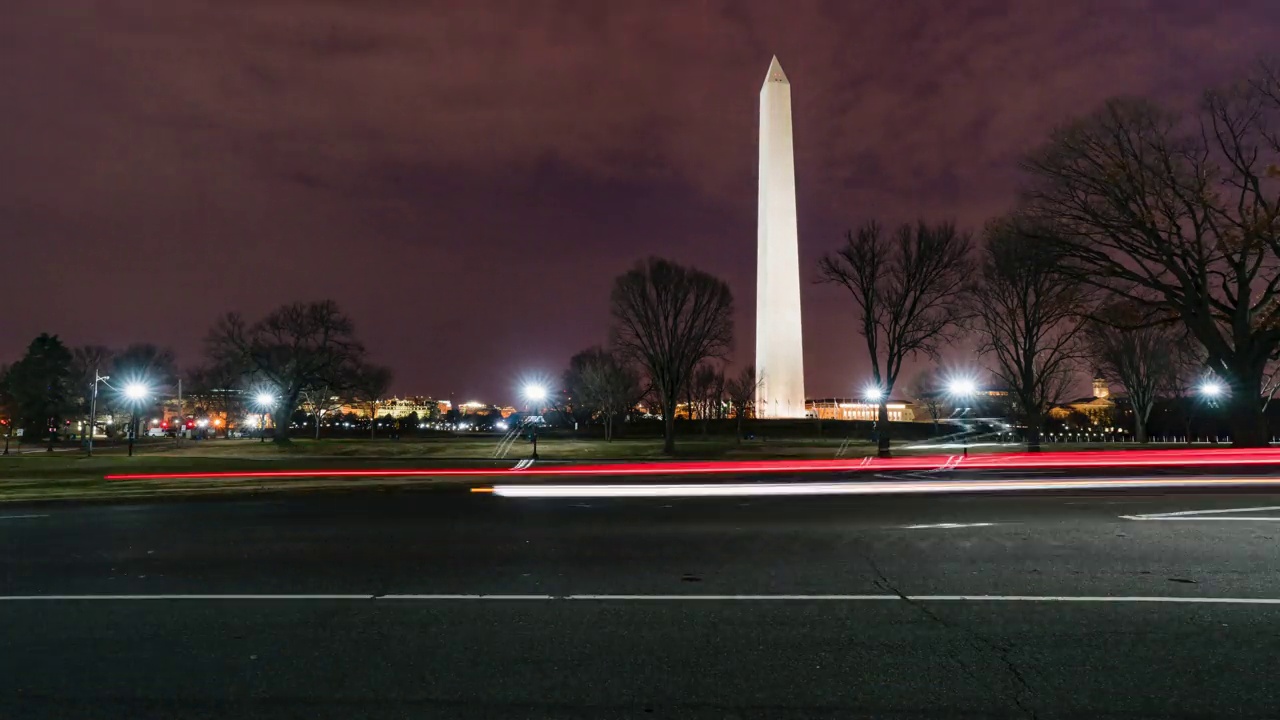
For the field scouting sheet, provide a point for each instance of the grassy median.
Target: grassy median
(31, 474)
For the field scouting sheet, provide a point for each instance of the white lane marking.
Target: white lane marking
(467, 597)
(1197, 514)
(673, 598)
(945, 526)
(184, 597)
(20, 517)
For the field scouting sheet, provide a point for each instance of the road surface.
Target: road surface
(450, 604)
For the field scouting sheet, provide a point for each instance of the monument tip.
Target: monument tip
(775, 73)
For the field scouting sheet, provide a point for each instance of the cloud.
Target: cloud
(388, 152)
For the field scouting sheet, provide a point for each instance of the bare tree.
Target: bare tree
(369, 385)
(1182, 385)
(928, 390)
(668, 318)
(221, 386)
(145, 363)
(1137, 354)
(1178, 212)
(1030, 316)
(706, 394)
(605, 384)
(322, 398)
(741, 391)
(907, 287)
(297, 346)
(575, 403)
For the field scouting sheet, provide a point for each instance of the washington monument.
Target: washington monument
(779, 349)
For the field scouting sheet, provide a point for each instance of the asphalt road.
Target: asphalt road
(689, 608)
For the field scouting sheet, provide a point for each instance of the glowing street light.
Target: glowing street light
(135, 392)
(264, 401)
(962, 387)
(872, 394)
(1211, 389)
(535, 393)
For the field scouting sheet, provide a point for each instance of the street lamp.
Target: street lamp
(1211, 389)
(534, 393)
(93, 408)
(963, 388)
(264, 401)
(135, 393)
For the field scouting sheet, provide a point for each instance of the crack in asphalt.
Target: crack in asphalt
(1000, 651)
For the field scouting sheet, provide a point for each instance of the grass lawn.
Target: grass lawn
(71, 475)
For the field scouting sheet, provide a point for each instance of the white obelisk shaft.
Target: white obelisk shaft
(779, 347)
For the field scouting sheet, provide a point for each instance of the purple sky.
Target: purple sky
(466, 178)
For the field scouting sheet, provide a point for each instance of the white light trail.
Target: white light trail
(861, 488)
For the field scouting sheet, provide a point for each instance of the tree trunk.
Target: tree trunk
(883, 426)
(1139, 428)
(280, 419)
(669, 427)
(1034, 421)
(1247, 421)
(373, 423)
(317, 424)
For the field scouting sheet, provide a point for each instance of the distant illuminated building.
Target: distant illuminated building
(854, 409)
(404, 407)
(1100, 409)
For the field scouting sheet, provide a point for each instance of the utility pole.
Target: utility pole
(182, 420)
(93, 407)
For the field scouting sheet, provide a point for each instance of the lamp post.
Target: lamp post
(965, 389)
(93, 408)
(872, 395)
(135, 393)
(264, 401)
(534, 393)
(1211, 390)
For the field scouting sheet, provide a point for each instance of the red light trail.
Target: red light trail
(1010, 461)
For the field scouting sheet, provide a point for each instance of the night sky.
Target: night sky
(466, 178)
